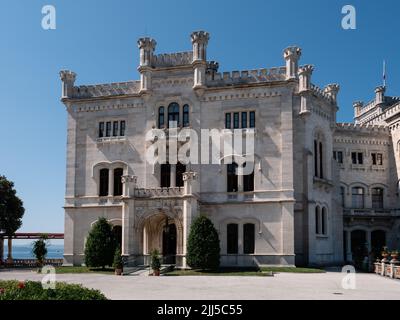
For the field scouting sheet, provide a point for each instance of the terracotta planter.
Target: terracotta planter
(156, 273)
(118, 272)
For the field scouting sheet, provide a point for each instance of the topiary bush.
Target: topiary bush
(32, 290)
(100, 245)
(203, 250)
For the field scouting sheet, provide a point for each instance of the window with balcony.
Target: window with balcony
(118, 173)
(173, 115)
(104, 177)
(107, 129)
(248, 181)
(357, 194)
(232, 177)
(180, 170)
(377, 198)
(228, 121)
(241, 120)
(165, 175)
(252, 123)
(236, 120)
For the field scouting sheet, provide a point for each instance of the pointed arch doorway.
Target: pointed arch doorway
(169, 242)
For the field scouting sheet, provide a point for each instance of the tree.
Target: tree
(203, 251)
(100, 245)
(40, 249)
(11, 207)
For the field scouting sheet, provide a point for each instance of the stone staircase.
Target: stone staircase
(145, 270)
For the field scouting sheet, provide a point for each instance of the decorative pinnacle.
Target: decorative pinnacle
(306, 70)
(358, 104)
(67, 75)
(380, 89)
(332, 88)
(200, 37)
(147, 43)
(212, 66)
(292, 52)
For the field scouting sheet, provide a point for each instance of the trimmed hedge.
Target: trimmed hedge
(32, 290)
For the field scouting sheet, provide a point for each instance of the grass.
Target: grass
(244, 272)
(83, 270)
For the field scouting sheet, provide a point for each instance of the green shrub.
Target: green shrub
(40, 249)
(32, 290)
(155, 260)
(203, 251)
(100, 245)
(118, 263)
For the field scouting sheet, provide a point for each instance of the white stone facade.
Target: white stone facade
(294, 214)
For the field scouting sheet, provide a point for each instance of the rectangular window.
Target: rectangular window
(334, 155)
(252, 119)
(360, 158)
(342, 196)
(108, 129)
(340, 157)
(354, 157)
(115, 129)
(358, 198)
(377, 198)
(122, 129)
(357, 158)
(236, 120)
(232, 238)
(244, 120)
(228, 121)
(248, 238)
(377, 159)
(101, 129)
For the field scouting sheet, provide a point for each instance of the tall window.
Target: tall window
(165, 175)
(342, 196)
(248, 238)
(324, 218)
(232, 177)
(316, 173)
(244, 120)
(252, 119)
(115, 129)
(377, 159)
(357, 158)
(338, 156)
(232, 238)
(248, 181)
(103, 188)
(236, 120)
(358, 197)
(317, 220)
(321, 161)
(161, 118)
(228, 121)
(377, 198)
(173, 115)
(108, 129)
(186, 116)
(118, 173)
(101, 129)
(180, 170)
(122, 129)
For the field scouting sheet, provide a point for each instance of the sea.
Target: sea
(54, 251)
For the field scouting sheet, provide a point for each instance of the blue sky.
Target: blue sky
(97, 40)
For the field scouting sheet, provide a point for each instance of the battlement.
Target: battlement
(321, 93)
(366, 128)
(246, 76)
(104, 90)
(167, 60)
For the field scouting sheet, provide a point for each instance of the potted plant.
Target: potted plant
(155, 262)
(394, 254)
(385, 254)
(118, 263)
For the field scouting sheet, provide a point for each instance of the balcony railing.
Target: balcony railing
(371, 212)
(159, 192)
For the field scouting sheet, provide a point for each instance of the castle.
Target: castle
(320, 192)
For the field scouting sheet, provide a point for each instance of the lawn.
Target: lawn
(83, 270)
(244, 272)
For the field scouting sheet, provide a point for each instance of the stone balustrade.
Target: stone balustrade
(32, 263)
(388, 269)
(159, 192)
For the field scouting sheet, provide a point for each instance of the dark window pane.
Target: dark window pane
(354, 157)
(161, 118)
(244, 120)
(252, 119)
(373, 159)
(165, 175)
(115, 128)
(232, 238)
(122, 129)
(103, 188)
(334, 155)
(248, 238)
(173, 115)
(377, 198)
(342, 196)
(321, 161)
(118, 181)
(360, 158)
(379, 159)
(323, 224)
(232, 178)
(236, 120)
(101, 129)
(228, 123)
(180, 170)
(186, 116)
(358, 197)
(248, 181)
(317, 213)
(108, 129)
(315, 158)
(340, 156)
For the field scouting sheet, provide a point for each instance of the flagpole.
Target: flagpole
(384, 73)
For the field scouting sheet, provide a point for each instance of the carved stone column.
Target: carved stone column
(129, 238)
(292, 56)
(199, 42)
(305, 73)
(68, 79)
(146, 47)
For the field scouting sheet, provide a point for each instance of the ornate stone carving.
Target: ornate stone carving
(187, 176)
(129, 179)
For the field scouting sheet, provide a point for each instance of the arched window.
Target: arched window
(342, 196)
(103, 188)
(232, 177)
(232, 238)
(173, 115)
(180, 170)
(319, 157)
(357, 194)
(316, 173)
(324, 221)
(321, 161)
(377, 198)
(118, 173)
(317, 220)
(161, 118)
(248, 238)
(248, 181)
(186, 122)
(165, 175)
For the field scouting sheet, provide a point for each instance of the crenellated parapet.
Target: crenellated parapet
(106, 90)
(365, 128)
(332, 90)
(68, 79)
(292, 56)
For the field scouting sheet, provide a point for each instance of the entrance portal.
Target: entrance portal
(169, 244)
(359, 247)
(378, 241)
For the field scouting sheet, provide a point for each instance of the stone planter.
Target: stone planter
(118, 272)
(156, 273)
(385, 257)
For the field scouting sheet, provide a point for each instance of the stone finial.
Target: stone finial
(68, 80)
(332, 91)
(305, 73)
(147, 43)
(200, 37)
(380, 95)
(200, 42)
(146, 47)
(357, 105)
(292, 56)
(212, 68)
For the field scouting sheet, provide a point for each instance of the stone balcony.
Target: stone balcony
(384, 213)
(158, 192)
